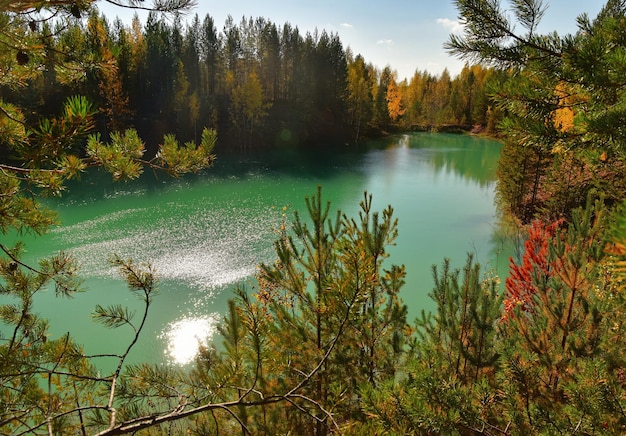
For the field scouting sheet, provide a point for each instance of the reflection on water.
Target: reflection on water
(184, 337)
(404, 142)
(466, 156)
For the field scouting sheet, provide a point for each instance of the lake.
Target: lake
(206, 233)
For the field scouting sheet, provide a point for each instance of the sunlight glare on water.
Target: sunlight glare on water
(206, 249)
(185, 336)
(197, 249)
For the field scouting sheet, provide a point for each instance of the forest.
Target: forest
(321, 343)
(257, 83)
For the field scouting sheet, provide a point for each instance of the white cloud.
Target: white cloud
(346, 25)
(385, 42)
(454, 26)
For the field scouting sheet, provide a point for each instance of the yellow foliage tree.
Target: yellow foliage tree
(564, 114)
(394, 100)
(248, 105)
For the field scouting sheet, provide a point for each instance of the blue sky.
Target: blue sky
(407, 35)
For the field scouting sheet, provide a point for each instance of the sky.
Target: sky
(406, 35)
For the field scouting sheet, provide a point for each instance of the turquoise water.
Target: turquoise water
(206, 233)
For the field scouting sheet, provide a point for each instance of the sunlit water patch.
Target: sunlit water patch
(199, 246)
(184, 337)
(202, 247)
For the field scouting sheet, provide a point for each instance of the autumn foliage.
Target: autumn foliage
(520, 285)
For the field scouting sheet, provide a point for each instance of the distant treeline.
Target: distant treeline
(257, 83)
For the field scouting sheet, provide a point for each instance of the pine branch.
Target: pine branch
(487, 26)
(30, 428)
(134, 425)
(114, 316)
(167, 6)
(138, 280)
(52, 275)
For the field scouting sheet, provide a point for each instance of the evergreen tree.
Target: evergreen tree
(549, 360)
(448, 384)
(270, 60)
(190, 55)
(292, 49)
(553, 76)
(326, 304)
(209, 54)
(554, 321)
(161, 65)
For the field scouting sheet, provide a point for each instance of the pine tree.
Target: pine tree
(326, 304)
(555, 321)
(552, 76)
(449, 382)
